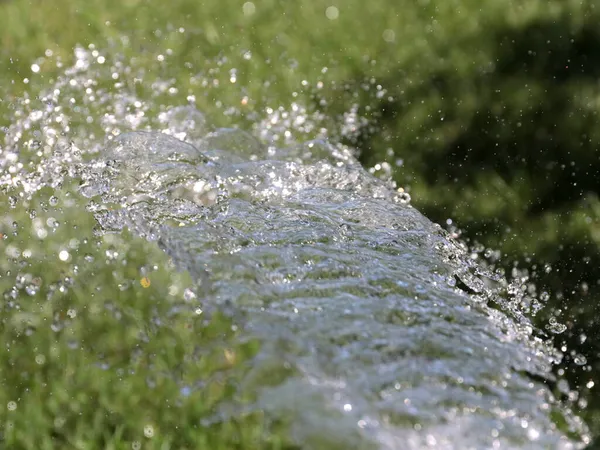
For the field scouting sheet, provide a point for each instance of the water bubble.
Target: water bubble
(31, 289)
(555, 327)
(189, 295)
(149, 431)
(111, 254)
(64, 255)
(248, 8)
(12, 252)
(59, 422)
(533, 434)
(332, 12)
(11, 406)
(402, 197)
(52, 223)
(40, 359)
(186, 391)
(389, 35)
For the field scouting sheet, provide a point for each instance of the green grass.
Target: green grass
(95, 358)
(492, 105)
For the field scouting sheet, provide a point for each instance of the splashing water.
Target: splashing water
(375, 329)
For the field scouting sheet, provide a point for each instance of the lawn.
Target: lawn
(485, 110)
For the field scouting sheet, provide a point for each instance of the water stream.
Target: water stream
(376, 329)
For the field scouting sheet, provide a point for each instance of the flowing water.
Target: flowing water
(375, 328)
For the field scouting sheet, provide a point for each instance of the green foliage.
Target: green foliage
(103, 349)
(492, 105)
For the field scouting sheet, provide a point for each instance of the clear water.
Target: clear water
(375, 327)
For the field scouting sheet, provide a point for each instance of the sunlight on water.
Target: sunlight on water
(375, 327)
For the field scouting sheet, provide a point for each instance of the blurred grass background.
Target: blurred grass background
(491, 106)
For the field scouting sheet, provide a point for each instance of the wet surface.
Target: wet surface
(375, 329)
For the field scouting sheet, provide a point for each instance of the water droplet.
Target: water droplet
(59, 422)
(189, 295)
(31, 289)
(555, 327)
(332, 12)
(248, 8)
(186, 391)
(389, 35)
(149, 431)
